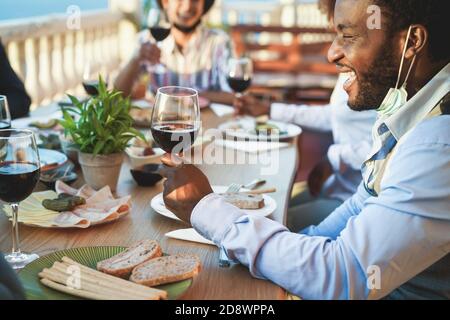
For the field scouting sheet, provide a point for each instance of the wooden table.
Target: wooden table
(213, 282)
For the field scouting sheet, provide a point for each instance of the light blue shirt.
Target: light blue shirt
(394, 245)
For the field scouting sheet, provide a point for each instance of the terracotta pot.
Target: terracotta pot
(101, 170)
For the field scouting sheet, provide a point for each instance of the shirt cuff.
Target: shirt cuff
(281, 112)
(212, 217)
(334, 156)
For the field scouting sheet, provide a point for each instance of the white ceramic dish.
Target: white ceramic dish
(136, 160)
(270, 205)
(244, 128)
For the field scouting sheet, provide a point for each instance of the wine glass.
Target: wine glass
(159, 27)
(5, 115)
(19, 173)
(239, 72)
(91, 82)
(175, 119)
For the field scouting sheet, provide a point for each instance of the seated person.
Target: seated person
(193, 55)
(336, 178)
(10, 288)
(391, 239)
(12, 87)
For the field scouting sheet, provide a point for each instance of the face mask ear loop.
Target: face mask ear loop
(409, 71)
(403, 58)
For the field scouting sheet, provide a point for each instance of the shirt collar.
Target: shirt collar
(420, 105)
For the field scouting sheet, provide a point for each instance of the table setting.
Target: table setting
(68, 192)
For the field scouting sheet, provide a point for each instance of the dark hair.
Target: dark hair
(208, 5)
(327, 7)
(432, 14)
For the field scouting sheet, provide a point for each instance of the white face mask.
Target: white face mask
(397, 97)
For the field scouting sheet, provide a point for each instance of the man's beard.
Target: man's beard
(188, 29)
(376, 82)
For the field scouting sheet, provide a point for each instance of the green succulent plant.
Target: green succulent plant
(101, 125)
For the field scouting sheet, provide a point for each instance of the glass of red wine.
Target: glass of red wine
(239, 74)
(159, 27)
(175, 119)
(5, 115)
(91, 82)
(19, 173)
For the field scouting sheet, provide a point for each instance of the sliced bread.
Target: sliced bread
(123, 263)
(244, 200)
(166, 269)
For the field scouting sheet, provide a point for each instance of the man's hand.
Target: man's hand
(148, 52)
(316, 179)
(249, 105)
(185, 186)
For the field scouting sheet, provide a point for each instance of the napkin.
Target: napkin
(188, 235)
(221, 110)
(251, 146)
(100, 207)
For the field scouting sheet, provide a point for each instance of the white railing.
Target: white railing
(50, 56)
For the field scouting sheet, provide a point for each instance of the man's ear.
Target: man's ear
(418, 40)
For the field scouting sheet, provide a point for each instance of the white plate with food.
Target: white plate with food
(253, 129)
(47, 209)
(269, 204)
(49, 122)
(51, 159)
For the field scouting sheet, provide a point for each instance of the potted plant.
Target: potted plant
(100, 128)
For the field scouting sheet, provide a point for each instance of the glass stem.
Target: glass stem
(15, 228)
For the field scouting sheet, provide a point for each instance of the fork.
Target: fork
(224, 262)
(235, 187)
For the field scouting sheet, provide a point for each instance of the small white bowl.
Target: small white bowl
(136, 160)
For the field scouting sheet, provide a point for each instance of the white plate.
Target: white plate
(23, 123)
(270, 205)
(244, 128)
(48, 156)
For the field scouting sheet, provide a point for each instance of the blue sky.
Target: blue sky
(13, 9)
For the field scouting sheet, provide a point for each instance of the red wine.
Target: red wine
(239, 84)
(17, 180)
(159, 33)
(91, 87)
(173, 134)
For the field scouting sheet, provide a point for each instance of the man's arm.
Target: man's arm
(348, 155)
(313, 117)
(332, 226)
(127, 76)
(401, 232)
(13, 88)
(148, 53)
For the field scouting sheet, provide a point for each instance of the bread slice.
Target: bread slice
(166, 269)
(123, 263)
(245, 201)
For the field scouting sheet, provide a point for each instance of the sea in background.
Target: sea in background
(15, 9)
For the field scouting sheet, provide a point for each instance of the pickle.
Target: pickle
(64, 195)
(44, 125)
(64, 202)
